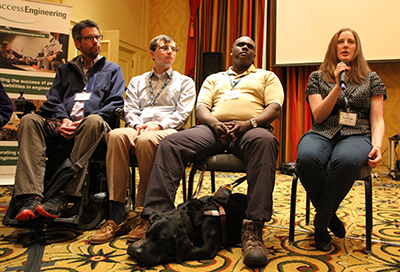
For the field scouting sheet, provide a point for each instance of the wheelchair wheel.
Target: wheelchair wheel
(94, 205)
(95, 211)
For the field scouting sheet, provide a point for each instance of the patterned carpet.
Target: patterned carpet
(69, 249)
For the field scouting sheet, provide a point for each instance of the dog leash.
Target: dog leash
(229, 186)
(199, 184)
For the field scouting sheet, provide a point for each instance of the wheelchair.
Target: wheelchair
(92, 207)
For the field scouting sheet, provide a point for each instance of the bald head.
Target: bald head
(243, 53)
(246, 39)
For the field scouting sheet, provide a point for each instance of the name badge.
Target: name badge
(82, 96)
(347, 118)
(231, 95)
(148, 112)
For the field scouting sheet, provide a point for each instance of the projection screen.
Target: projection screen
(305, 27)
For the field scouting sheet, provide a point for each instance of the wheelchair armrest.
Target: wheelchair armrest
(119, 112)
(119, 116)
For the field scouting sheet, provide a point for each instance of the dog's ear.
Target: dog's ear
(155, 215)
(186, 224)
(183, 236)
(195, 211)
(182, 245)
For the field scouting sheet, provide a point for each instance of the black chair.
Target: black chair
(133, 164)
(365, 175)
(225, 162)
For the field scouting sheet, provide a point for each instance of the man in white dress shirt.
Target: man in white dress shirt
(157, 103)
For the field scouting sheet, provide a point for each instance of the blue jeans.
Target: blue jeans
(327, 190)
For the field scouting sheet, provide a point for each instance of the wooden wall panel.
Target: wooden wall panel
(172, 19)
(390, 75)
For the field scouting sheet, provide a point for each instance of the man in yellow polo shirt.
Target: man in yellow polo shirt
(235, 109)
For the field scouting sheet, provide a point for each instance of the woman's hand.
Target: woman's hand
(340, 67)
(374, 157)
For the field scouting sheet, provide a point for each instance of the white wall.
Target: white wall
(304, 28)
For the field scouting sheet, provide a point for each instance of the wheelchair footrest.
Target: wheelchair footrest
(92, 215)
(74, 220)
(7, 221)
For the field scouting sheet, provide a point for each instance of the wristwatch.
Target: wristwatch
(253, 123)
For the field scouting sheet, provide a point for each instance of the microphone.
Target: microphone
(343, 75)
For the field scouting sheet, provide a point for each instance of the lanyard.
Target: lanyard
(346, 101)
(153, 99)
(83, 73)
(233, 85)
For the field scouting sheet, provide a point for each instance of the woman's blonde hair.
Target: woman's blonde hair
(359, 66)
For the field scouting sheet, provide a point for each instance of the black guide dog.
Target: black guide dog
(189, 234)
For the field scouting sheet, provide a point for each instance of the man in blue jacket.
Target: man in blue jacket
(85, 93)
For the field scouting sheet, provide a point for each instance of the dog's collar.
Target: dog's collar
(222, 215)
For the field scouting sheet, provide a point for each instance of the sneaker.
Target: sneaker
(29, 206)
(54, 207)
(255, 253)
(138, 230)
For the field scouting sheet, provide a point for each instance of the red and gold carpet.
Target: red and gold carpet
(69, 249)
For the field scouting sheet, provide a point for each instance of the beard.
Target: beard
(92, 53)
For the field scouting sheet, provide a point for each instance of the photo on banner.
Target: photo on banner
(34, 39)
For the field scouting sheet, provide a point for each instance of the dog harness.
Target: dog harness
(222, 216)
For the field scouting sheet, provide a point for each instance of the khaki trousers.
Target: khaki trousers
(121, 144)
(31, 165)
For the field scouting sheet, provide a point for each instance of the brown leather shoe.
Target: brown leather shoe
(255, 253)
(138, 230)
(109, 231)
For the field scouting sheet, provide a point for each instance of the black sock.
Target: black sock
(117, 212)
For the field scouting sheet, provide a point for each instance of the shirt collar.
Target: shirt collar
(167, 73)
(85, 66)
(251, 69)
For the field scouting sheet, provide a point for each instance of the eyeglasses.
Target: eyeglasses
(91, 38)
(164, 48)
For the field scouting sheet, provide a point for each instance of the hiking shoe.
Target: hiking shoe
(254, 251)
(29, 206)
(54, 207)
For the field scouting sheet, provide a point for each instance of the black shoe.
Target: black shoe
(54, 207)
(337, 227)
(28, 208)
(322, 240)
